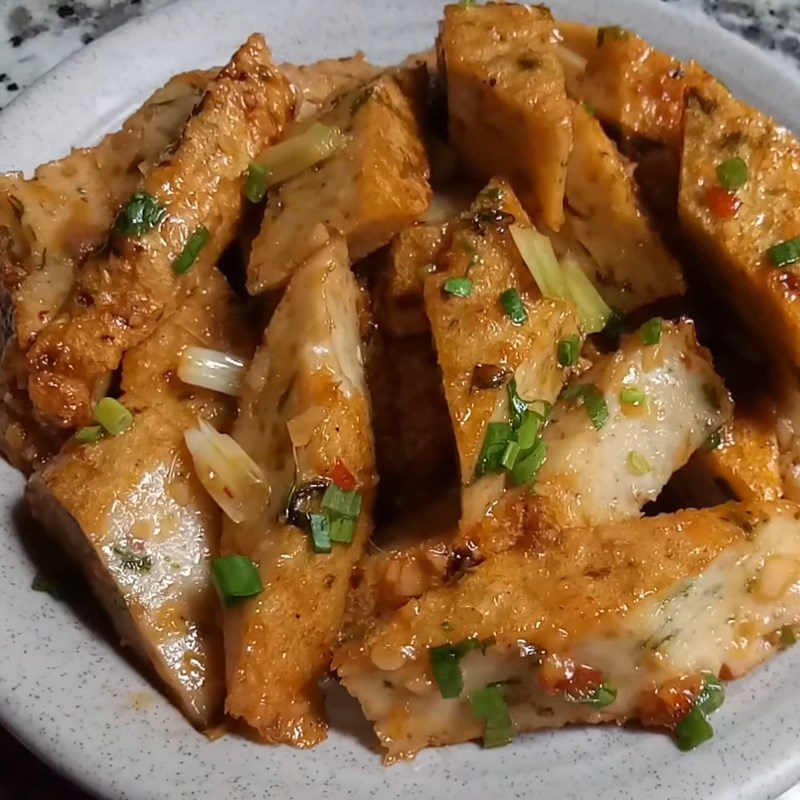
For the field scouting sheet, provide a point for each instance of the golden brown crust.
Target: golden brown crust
(118, 300)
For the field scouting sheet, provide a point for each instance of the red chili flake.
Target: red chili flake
(227, 492)
(723, 204)
(342, 477)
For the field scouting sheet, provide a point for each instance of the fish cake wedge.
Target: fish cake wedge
(305, 420)
(191, 200)
(607, 624)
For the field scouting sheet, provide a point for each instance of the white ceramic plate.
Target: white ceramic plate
(67, 692)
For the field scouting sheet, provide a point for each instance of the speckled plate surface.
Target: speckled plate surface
(68, 693)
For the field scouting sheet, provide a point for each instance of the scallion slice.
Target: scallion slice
(569, 351)
(528, 431)
(632, 396)
(527, 467)
(592, 399)
(142, 213)
(518, 408)
(236, 579)
(343, 529)
(498, 435)
(509, 457)
(638, 464)
(712, 695)
(785, 254)
(651, 331)
(693, 730)
(604, 695)
(490, 706)
(342, 503)
(89, 435)
(612, 33)
(732, 174)
(197, 241)
(513, 306)
(298, 153)
(211, 369)
(458, 287)
(255, 184)
(320, 533)
(593, 311)
(538, 255)
(112, 416)
(447, 670)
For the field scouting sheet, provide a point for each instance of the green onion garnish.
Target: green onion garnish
(568, 351)
(89, 435)
(651, 331)
(518, 408)
(197, 241)
(527, 467)
(612, 33)
(113, 416)
(490, 706)
(255, 185)
(615, 325)
(342, 530)
(788, 636)
(447, 670)
(592, 399)
(458, 287)
(498, 435)
(135, 562)
(714, 440)
(785, 254)
(142, 213)
(341, 502)
(236, 578)
(593, 311)
(732, 174)
(632, 396)
(320, 533)
(528, 431)
(509, 457)
(638, 464)
(693, 730)
(712, 695)
(604, 695)
(513, 306)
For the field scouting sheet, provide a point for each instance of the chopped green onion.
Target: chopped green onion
(632, 396)
(343, 529)
(568, 351)
(135, 562)
(785, 254)
(714, 440)
(651, 331)
(255, 185)
(732, 174)
(593, 312)
(528, 431)
(113, 416)
(513, 306)
(236, 578)
(509, 457)
(197, 241)
(142, 213)
(693, 730)
(615, 326)
(592, 399)
(298, 153)
(458, 287)
(604, 695)
(341, 502)
(447, 670)
(612, 33)
(589, 109)
(546, 412)
(712, 695)
(474, 643)
(320, 533)
(788, 636)
(527, 467)
(490, 706)
(518, 408)
(89, 435)
(638, 464)
(498, 435)
(537, 253)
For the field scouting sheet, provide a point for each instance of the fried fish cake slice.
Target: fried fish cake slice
(120, 296)
(604, 624)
